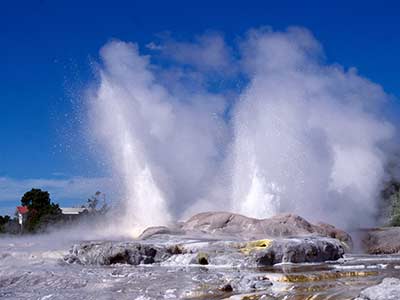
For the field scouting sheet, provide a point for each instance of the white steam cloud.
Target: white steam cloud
(302, 136)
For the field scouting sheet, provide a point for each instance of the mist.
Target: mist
(261, 126)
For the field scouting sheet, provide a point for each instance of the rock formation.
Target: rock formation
(388, 289)
(385, 240)
(221, 238)
(225, 223)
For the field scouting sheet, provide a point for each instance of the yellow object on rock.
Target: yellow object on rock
(255, 245)
(325, 276)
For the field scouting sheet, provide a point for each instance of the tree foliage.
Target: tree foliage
(94, 201)
(395, 213)
(41, 209)
(3, 221)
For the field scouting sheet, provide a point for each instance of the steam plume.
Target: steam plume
(302, 136)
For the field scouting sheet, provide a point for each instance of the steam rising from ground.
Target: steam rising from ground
(261, 127)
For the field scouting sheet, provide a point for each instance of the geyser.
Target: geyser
(301, 136)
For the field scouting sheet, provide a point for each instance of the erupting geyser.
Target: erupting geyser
(302, 136)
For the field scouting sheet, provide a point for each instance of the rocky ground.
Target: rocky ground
(211, 256)
(385, 240)
(223, 239)
(388, 289)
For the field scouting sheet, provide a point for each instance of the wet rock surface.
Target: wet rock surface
(204, 252)
(108, 253)
(207, 257)
(248, 283)
(222, 238)
(299, 250)
(44, 278)
(388, 289)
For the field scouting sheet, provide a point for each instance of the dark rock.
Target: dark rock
(250, 283)
(108, 253)
(299, 250)
(175, 249)
(227, 288)
(202, 258)
(119, 258)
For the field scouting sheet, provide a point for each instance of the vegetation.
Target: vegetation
(3, 221)
(390, 204)
(41, 210)
(395, 211)
(93, 204)
(43, 214)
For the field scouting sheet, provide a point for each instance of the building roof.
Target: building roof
(72, 210)
(22, 209)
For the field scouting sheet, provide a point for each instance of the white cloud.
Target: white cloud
(74, 189)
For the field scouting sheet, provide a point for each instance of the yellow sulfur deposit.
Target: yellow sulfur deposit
(255, 245)
(325, 276)
(251, 297)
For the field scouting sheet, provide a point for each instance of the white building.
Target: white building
(71, 211)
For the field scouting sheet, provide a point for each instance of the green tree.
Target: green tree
(94, 201)
(41, 209)
(395, 213)
(3, 221)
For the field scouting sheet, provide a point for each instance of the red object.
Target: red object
(22, 209)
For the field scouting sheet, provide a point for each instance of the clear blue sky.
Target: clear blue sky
(46, 48)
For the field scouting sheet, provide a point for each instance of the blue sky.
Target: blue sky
(47, 48)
